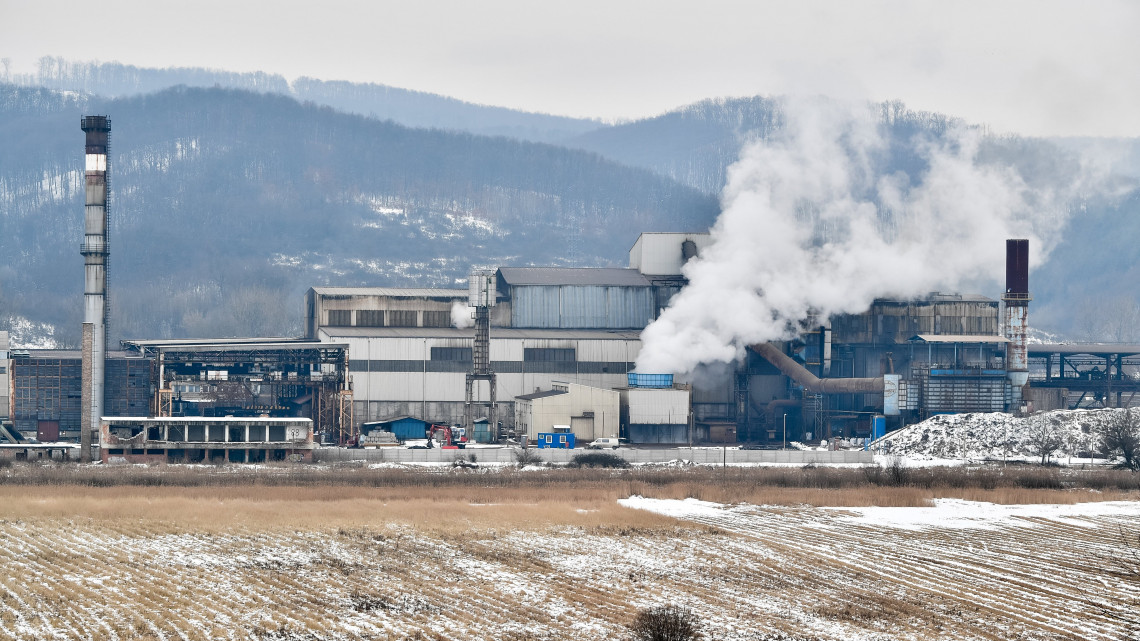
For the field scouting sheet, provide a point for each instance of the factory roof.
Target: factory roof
(496, 332)
(958, 338)
(612, 276)
(70, 353)
(1094, 349)
(204, 419)
(936, 297)
(393, 292)
(236, 344)
(393, 419)
(549, 392)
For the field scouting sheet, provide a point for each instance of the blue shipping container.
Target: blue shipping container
(562, 440)
(650, 380)
(878, 427)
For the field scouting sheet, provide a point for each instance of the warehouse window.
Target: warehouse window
(403, 318)
(370, 318)
(437, 319)
(462, 354)
(340, 318)
(548, 355)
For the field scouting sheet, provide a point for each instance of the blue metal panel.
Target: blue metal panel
(637, 379)
(878, 427)
(409, 428)
(557, 440)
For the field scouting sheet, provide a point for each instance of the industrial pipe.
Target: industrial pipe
(811, 382)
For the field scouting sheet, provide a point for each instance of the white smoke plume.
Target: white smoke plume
(810, 224)
(462, 316)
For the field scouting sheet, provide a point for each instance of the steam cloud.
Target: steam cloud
(462, 316)
(811, 224)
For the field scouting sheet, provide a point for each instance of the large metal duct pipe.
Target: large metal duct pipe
(811, 382)
(95, 252)
(1016, 299)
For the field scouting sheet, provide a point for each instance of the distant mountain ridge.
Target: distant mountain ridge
(409, 108)
(419, 168)
(227, 204)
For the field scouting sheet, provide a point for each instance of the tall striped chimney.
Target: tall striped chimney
(95, 252)
(1016, 300)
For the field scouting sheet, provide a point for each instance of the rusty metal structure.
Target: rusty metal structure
(902, 359)
(253, 377)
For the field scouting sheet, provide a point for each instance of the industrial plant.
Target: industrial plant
(523, 353)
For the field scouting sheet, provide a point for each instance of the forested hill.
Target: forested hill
(406, 107)
(227, 204)
(696, 143)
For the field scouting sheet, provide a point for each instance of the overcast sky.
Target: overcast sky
(1033, 67)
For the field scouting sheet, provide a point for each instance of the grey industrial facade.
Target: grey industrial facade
(47, 390)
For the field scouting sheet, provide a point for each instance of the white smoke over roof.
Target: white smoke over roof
(462, 316)
(811, 223)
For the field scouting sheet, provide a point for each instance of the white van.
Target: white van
(600, 443)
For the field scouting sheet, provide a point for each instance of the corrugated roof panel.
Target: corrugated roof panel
(397, 292)
(573, 276)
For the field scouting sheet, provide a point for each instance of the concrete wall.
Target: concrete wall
(701, 456)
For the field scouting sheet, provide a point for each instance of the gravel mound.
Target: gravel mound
(991, 436)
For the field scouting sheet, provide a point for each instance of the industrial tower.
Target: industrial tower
(95, 251)
(481, 295)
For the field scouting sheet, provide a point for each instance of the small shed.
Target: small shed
(483, 431)
(556, 440)
(404, 427)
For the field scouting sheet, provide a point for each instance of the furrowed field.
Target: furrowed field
(327, 553)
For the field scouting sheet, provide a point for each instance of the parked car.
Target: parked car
(602, 443)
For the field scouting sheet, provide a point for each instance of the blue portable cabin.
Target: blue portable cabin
(556, 440)
(404, 427)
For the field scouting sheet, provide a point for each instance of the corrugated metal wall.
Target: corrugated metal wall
(581, 307)
(658, 406)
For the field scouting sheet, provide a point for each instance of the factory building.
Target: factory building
(588, 412)
(549, 326)
(251, 378)
(48, 388)
(230, 439)
(520, 346)
(553, 328)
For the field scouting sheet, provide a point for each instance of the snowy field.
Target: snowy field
(341, 563)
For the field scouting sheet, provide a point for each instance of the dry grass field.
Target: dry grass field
(544, 555)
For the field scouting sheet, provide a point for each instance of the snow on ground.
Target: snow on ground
(995, 436)
(954, 570)
(978, 570)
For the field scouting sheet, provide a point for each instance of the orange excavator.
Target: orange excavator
(447, 437)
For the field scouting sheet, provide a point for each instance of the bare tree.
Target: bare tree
(1044, 436)
(1120, 436)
